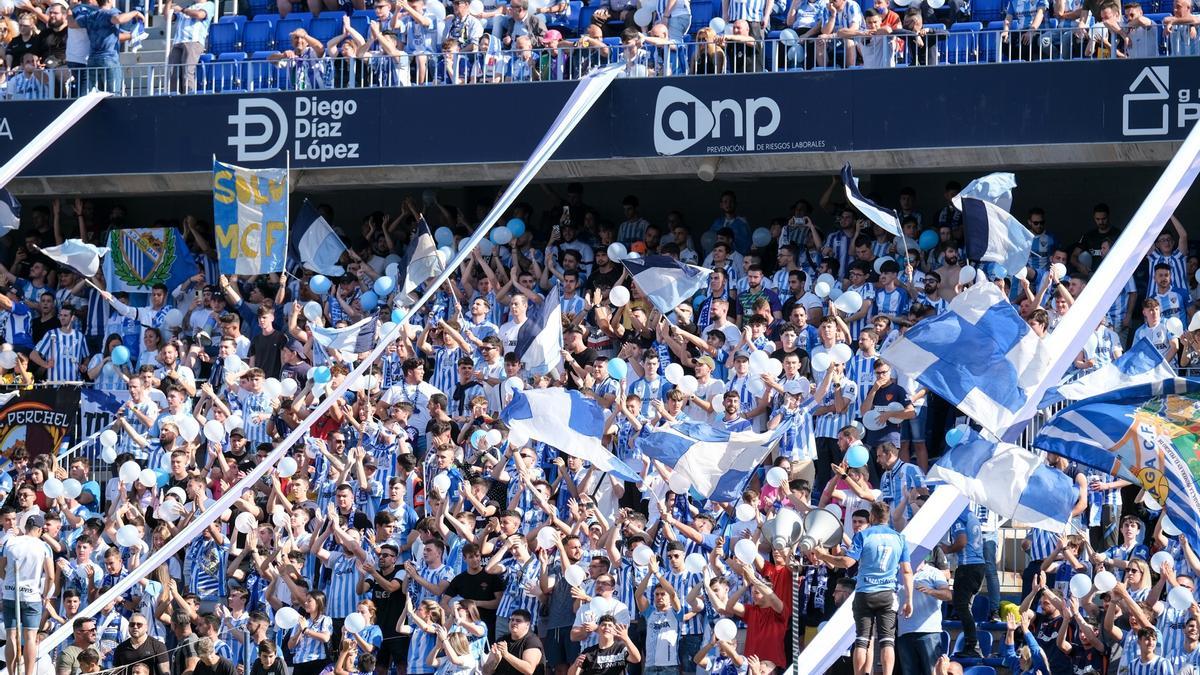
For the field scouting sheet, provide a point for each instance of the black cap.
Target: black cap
(35, 520)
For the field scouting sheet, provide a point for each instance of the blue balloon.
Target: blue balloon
(516, 226)
(320, 284)
(443, 236)
(397, 316)
(857, 456)
(321, 374)
(997, 271)
(928, 240)
(617, 369)
(163, 477)
(955, 436)
(120, 355)
(477, 437)
(368, 300)
(384, 286)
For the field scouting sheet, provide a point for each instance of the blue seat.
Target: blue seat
(261, 73)
(989, 44)
(204, 81)
(230, 72)
(702, 13)
(962, 45)
(987, 10)
(325, 27)
(258, 35)
(224, 38)
(283, 31)
(259, 7)
(585, 17)
(362, 23)
(985, 644)
(568, 26)
(234, 19)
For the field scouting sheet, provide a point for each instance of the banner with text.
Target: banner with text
(250, 214)
(38, 419)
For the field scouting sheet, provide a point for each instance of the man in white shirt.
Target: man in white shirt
(27, 569)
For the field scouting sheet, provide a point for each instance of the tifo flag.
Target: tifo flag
(10, 211)
(1142, 364)
(540, 339)
(718, 463)
(348, 342)
(666, 281)
(423, 260)
(980, 356)
(78, 255)
(568, 421)
(991, 234)
(315, 244)
(139, 258)
(1146, 434)
(882, 216)
(250, 215)
(996, 188)
(1010, 480)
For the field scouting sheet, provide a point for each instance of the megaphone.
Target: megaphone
(203, 339)
(784, 530)
(821, 528)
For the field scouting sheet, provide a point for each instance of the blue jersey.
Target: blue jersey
(968, 524)
(879, 550)
(1174, 302)
(309, 648)
(1175, 260)
(18, 325)
(67, 350)
(891, 303)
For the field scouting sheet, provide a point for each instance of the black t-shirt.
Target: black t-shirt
(40, 328)
(19, 47)
(277, 668)
(54, 44)
(478, 587)
(223, 666)
(151, 652)
(585, 357)
(598, 279)
(517, 648)
(267, 351)
(389, 605)
(185, 648)
(598, 661)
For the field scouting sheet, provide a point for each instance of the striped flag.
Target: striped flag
(996, 188)
(1142, 364)
(991, 234)
(346, 343)
(315, 244)
(540, 338)
(666, 281)
(423, 260)
(882, 216)
(567, 420)
(10, 211)
(718, 463)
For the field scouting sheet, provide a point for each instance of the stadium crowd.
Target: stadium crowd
(410, 532)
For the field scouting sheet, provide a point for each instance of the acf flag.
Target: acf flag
(250, 213)
(38, 419)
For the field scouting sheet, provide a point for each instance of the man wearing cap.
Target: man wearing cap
(702, 404)
(17, 320)
(27, 569)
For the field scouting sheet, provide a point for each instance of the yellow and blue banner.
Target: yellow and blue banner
(250, 215)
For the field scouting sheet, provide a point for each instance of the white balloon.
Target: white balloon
(281, 519)
(1158, 560)
(673, 373)
(1169, 528)
(835, 293)
(52, 488)
(1081, 585)
(1059, 270)
(72, 488)
(679, 483)
(688, 384)
(1180, 598)
(287, 618)
(127, 536)
(756, 386)
(746, 551)
(1104, 581)
(109, 455)
(148, 478)
(189, 428)
(437, 9)
(642, 555)
(493, 437)
(774, 367)
(517, 438)
(289, 386)
(966, 275)
(214, 431)
(776, 476)
(173, 318)
(287, 467)
(233, 422)
(356, 622)
(546, 538)
(108, 438)
(849, 302)
(619, 296)
(821, 289)
(821, 361)
(617, 251)
(759, 359)
(725, 630)
(476, 6)
(8, 359)
(1174, 326)
(169, 511)
(515, 383)
(695, 563)
(840, 353)
(129, 472)
(441, 483)
(745, 512)
(245, 522)
(574, 575)
(272, 387)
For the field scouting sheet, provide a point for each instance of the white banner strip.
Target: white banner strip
(52, 132)
(584, 96)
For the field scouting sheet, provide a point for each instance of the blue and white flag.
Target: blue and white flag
(996, 188)
(991, 234)
(718, 463)
(1142, 364)
(10, 211)
(345, 344)
(140, 258)
(882, 216)
(424, 263)
(980, 356)
(250, 216)
(540, 338)
(569, 421)
(315, 244)
(666, 281)
(1010, 480)
(78, 255)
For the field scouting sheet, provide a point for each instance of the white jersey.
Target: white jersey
(25, 568)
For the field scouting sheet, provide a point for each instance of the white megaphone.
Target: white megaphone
(784, 530)
(821, 528)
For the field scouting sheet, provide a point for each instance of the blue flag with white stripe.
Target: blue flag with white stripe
(719, 463)
(569, 421)
(666, 281)
(1142, 364)
(882, 216)
(980, 356)
(10, 211)
(250, 215)
(1010, 480)
(315, 244)
(996, 188)
(540, 338)
(345, 344)
(991, 234)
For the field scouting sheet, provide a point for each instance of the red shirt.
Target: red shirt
(766, 630)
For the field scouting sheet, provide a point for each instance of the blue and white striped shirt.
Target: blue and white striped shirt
(516, 576)
(1176, 260)
(256, 418)
(204, 566)
(892, 303)
(309, 648)
(798, 441)
(341, 592)
(445, 368)
(683, 583)
(1116, 313)
(1041, 543)
(829, 424)
(419, 649)
(861, 370)
(67, 349)
(867, 291)
(1170, 631)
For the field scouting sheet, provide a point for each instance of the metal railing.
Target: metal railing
(724, 55)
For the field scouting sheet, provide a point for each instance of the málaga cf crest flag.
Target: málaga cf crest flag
(140, 257)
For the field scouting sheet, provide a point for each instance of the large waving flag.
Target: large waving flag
(992, 234)
(1010, 480)
(424, 262)
(540, 339)
(1142, 364)
(980, 356)
(882, 216)
(78, 255)
(719, 463)
(996, 188)
(1146, 434)
(10, 211)
(567, 420)
(139, 258)
(315, 244)
(666, 281)
(250, 216)
(346, 343)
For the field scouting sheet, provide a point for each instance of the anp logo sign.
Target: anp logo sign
(681, 120)
(270, 122)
